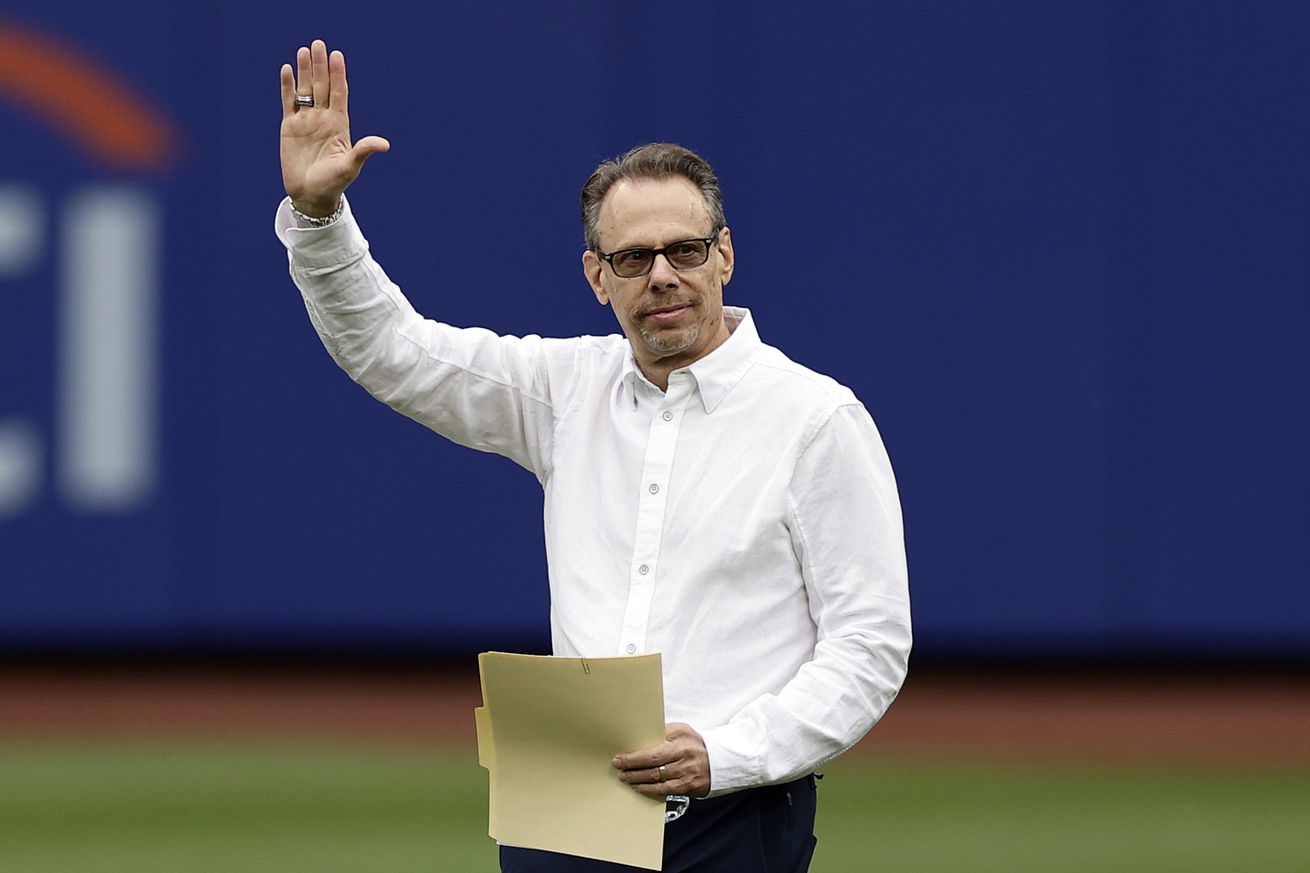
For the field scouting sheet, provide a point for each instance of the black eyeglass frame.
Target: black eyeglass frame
(650, 265)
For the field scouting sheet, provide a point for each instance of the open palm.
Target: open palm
(318, 159)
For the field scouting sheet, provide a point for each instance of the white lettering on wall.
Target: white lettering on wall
(22, 240)
(108, 335)
(22, 229)
(20, 467)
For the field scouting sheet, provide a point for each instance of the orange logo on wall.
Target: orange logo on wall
(86, 101)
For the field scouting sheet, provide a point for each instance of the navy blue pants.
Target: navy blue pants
(760, 830)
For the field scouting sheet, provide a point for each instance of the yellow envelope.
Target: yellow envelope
(547, 730)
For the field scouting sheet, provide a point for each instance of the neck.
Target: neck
(658, 373)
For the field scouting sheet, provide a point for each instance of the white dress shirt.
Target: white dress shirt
(744, 523)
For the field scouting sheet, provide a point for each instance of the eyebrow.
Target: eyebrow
(658, 245)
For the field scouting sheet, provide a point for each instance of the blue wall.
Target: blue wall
(1059, 250)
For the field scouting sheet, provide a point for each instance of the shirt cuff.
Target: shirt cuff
(736, 752)
(320, 249)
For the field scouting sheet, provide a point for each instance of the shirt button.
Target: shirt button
(630, 648)
(654, 489)
(643, 569)
(668, 416)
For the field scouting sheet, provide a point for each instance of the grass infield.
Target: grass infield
(192, 808)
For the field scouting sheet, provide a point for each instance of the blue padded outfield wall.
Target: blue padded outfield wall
(1060, 250)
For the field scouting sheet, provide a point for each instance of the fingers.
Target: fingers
(304, 72)
(678, 737)
(649, 775)
(372, 145)
(685, 762)
(652, 778)
(683, 776)
(320, 75)
(367, 147)
(288, 82)
(337, 81)
(320, 86)
(646, 758)
(663, 774)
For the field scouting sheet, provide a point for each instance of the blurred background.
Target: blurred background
(1058, 249)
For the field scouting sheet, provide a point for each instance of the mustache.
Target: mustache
(664, 307)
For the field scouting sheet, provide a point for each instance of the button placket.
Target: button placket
(661, 443)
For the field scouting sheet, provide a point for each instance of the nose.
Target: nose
(662, 275)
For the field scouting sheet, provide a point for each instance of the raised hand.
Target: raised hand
(318, 159)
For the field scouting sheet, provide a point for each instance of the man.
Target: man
(705, 497)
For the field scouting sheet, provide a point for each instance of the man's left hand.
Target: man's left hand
(679, 765)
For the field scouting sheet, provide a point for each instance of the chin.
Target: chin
(671, 345)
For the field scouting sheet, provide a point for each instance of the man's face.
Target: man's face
(670, 317)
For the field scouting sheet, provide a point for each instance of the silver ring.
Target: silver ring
(304, 99)
(664, 773)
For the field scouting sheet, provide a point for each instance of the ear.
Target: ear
(593, 269)
(727, 257)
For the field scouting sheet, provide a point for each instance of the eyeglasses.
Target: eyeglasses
(685, 254)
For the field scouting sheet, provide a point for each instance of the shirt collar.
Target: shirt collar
(718, 372)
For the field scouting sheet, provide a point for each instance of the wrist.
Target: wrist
(320, 209)
(309, 220)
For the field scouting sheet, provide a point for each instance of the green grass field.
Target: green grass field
(265, 808)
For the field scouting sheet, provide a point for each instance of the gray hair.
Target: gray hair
(656, 160)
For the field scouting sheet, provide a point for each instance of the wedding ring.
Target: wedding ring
(664, 773)
(304, 99)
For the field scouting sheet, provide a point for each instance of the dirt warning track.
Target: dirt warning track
(1236, 718)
